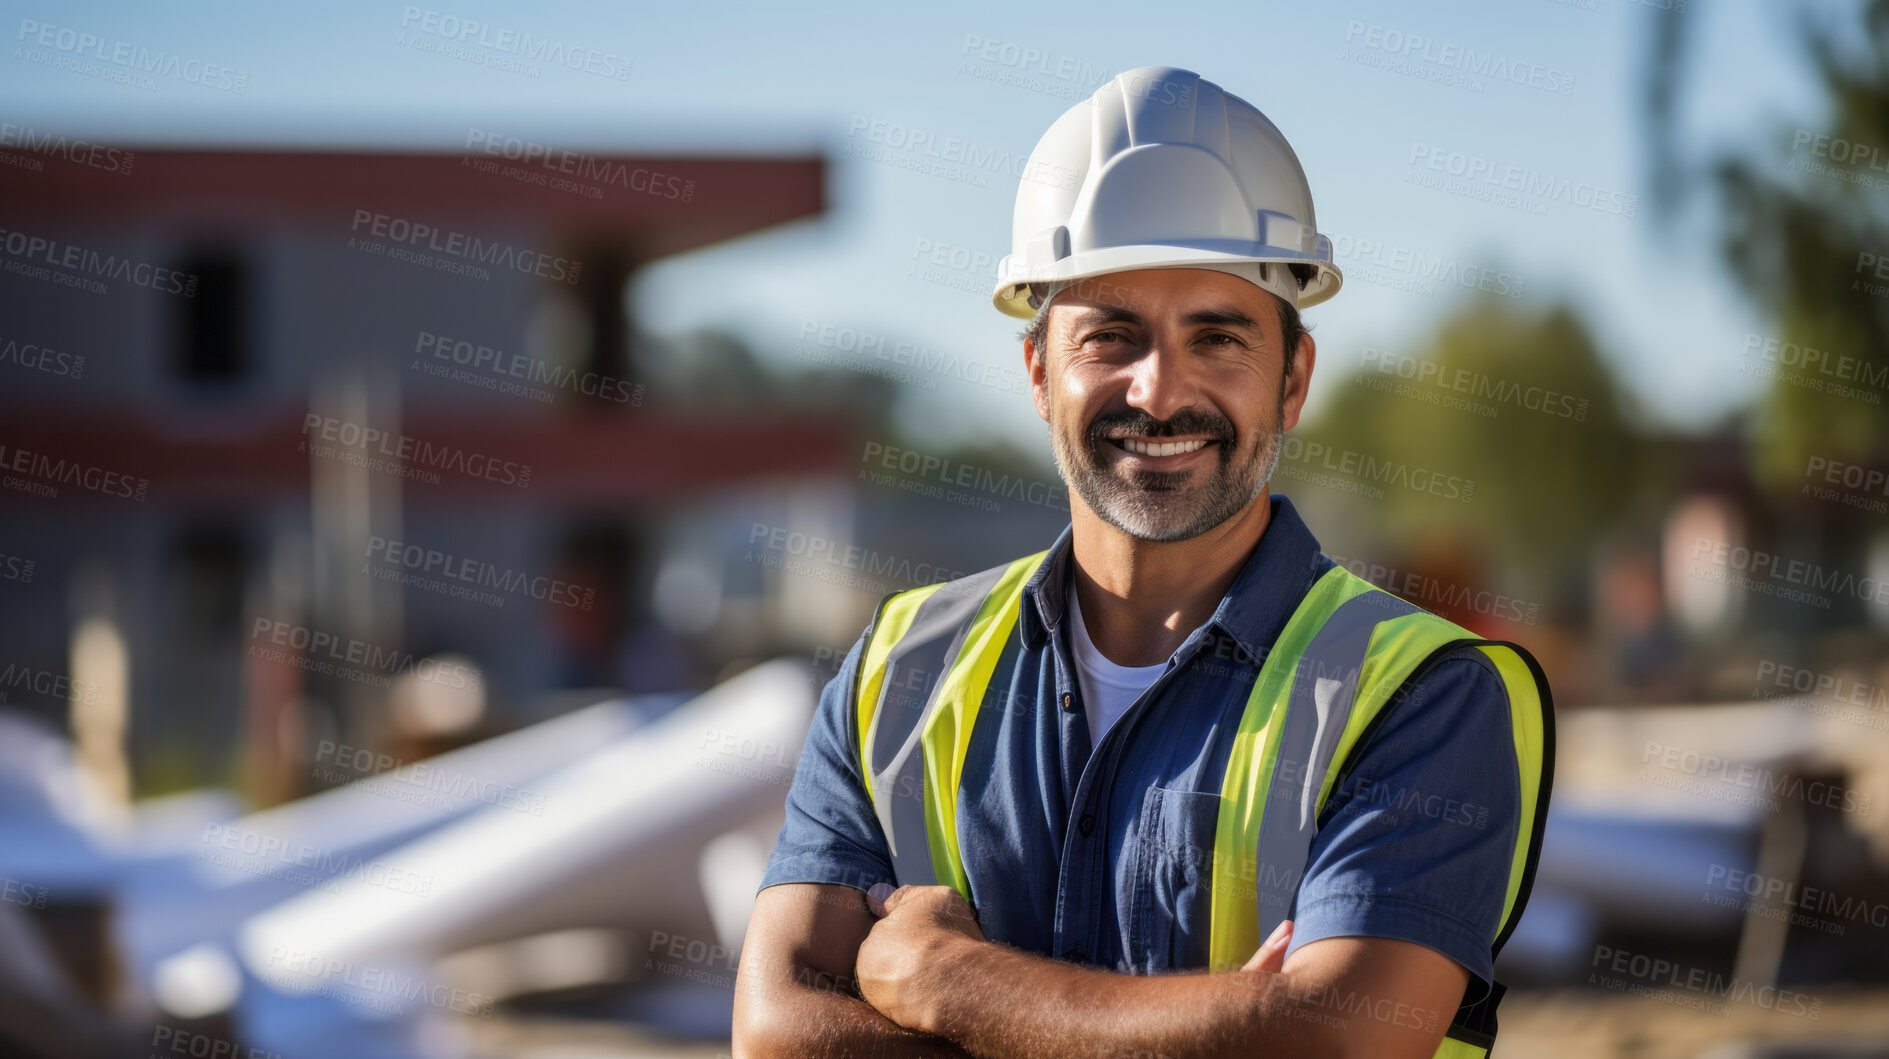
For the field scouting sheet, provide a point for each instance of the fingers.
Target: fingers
(883, 898)
(879, 897)
(1271, 956)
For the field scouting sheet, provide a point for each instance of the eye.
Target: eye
(1104, 336)
(1220, 339)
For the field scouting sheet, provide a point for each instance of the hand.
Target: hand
(906, 963)
(1271, 956)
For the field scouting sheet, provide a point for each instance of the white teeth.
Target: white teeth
(1172, 448)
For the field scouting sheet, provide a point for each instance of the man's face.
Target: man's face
(1167, 395)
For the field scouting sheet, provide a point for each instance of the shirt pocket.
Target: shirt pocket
(1171, 904)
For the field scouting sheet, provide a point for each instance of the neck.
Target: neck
(1141, 598)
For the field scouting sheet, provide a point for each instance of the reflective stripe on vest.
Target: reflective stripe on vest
(1342, 657)
(1269, 815)
(914, 726)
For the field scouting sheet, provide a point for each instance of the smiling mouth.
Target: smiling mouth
(1157, 447)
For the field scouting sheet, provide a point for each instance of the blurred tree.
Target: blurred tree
(712, 368)
(1801, 220)
(1003, 456)
(1520, 403)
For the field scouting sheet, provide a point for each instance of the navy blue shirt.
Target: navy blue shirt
(1106, 857)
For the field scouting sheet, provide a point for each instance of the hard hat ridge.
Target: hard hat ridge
(1161, 168)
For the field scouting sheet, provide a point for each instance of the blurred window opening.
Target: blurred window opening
(613, 642)
(214, 343)
(211, 560)
(198, 738)
(606, 352)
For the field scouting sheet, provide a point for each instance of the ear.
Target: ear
(1033, 364)
(1299, 383)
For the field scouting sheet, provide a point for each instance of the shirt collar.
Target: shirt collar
(1277, 574)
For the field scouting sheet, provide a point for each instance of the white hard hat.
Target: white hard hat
(1162, 169)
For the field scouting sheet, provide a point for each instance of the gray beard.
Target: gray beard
(1155, 505)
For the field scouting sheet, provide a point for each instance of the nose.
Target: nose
(1161, 381)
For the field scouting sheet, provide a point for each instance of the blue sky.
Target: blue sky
(752, 77)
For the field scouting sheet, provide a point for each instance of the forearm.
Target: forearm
(1003, 1002)
(794, 1020)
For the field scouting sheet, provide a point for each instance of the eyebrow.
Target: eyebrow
(1224, 316)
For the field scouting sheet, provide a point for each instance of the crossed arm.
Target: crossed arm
(827, 971)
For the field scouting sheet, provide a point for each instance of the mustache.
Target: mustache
(1188, 421)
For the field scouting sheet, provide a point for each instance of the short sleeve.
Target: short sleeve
(831, 834)
(1418, 840)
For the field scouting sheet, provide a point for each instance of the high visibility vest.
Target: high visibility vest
(930, 653)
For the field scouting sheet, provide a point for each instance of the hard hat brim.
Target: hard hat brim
(1011, 295)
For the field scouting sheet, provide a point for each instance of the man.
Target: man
(1051, 809)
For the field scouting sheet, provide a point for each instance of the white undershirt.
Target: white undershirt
(1107, 689)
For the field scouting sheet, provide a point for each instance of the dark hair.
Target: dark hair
(1291, 328)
